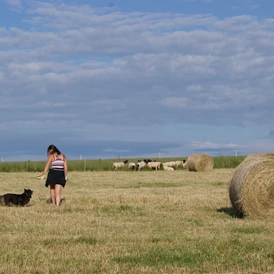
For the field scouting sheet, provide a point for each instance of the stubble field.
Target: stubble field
(132, 222)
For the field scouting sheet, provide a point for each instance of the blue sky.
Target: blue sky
(135, 79)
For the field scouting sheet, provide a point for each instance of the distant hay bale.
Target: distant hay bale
(251, 188)
(199, 162)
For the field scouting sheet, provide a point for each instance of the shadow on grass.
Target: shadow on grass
(49, 201)
(230, 211)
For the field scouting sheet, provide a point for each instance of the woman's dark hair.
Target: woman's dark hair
(54, 149)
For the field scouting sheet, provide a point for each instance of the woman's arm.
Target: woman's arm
(47, 166)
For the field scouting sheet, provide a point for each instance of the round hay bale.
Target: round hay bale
(199, 162)
(251, 188)
(257, 155)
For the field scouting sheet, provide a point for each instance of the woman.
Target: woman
(57, 175)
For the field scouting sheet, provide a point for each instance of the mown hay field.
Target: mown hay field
(132, 222)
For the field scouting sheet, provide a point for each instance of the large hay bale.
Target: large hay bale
(199, 162)
(251, 188)
(257, 155)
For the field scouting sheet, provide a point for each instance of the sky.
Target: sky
(136, 79)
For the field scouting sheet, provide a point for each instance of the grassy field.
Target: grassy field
(132, 222)
(106, 164)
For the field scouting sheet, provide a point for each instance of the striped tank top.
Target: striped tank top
(57, 164)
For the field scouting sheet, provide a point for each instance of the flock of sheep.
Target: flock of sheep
(154, 165)
(195, 162)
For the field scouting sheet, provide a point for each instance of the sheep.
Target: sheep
(184, 163)
(171, 164)
(119, 164)
(168, 167)
(141, 164)
(178, 163)
(154, 165)
(131, 166)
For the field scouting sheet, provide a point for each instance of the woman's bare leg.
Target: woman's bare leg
(58, 194)
(52, 194)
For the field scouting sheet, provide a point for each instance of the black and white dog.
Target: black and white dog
(11, 199)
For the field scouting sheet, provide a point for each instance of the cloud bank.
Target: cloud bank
(104, 81)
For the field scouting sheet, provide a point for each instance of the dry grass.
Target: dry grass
(132, 222)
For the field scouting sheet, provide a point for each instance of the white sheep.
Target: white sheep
(154, 165)
(131, 166)
(178, 163)
(170, 164)
(119, 164)
(168, 167)
(141, 164)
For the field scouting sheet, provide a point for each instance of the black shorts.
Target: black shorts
(56, 177)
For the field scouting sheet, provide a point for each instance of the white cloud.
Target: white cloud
(175, 102)
(193, 88)
(131, 53)
(210, 145)
(120, 68)
(16, 4)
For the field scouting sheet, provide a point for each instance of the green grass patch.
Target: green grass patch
(201, 254)
(151, 185)
(70, 241)
(218, 183)
(117, 209)
(248, 230)
(161, 256)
